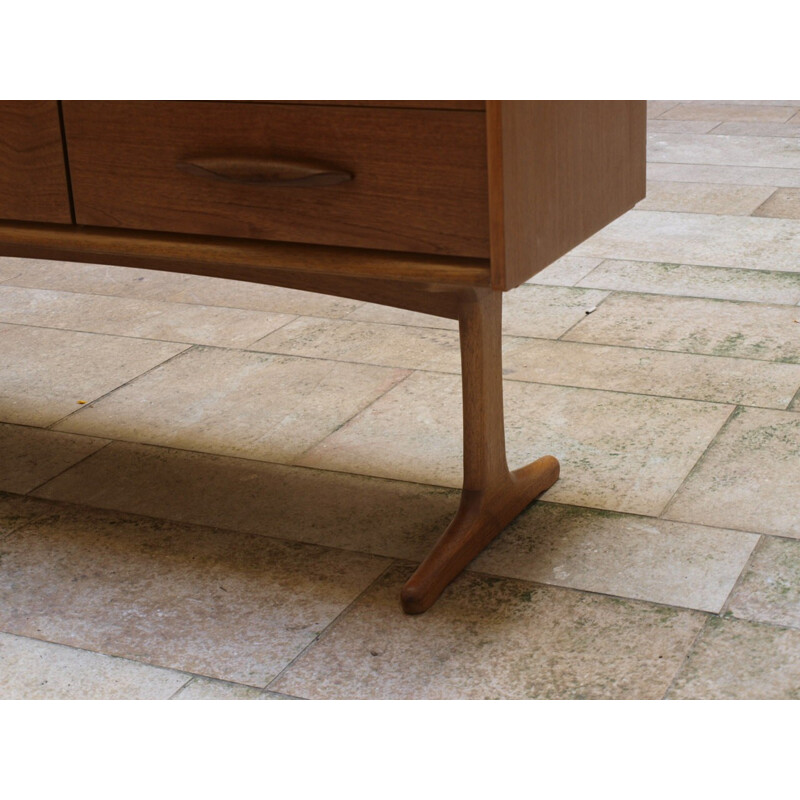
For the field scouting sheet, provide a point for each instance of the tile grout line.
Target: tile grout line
(579, 280)
(51, 426)
(754, 212)
(577, 589)
(450, 490)
(407, 561)
(681, 264)
(687, 656)
(711, 617)
(5, 282)
(181, 688)
(400, 382)
(540, 382)
(728, 166)
(7, 531)
(266, 335)
(399, 560)
(506, 336)
(101, 333)
(324, 632)
(347, 316)
(142, 338)
(739, 579)
(634, 293)
(675, 104)
(586, 314)
(191, 676)
(735, 411)
(715, 184)
(241, 458)
(411, 562)
(748, 214)
(36, 488)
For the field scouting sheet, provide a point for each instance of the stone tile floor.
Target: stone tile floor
(215, 490)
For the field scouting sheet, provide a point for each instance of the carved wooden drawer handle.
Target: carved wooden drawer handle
(264, 171)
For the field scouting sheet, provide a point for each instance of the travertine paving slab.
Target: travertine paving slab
(705, 239)
(620, 554)
(146, 319)
(16, 510)
(567, 271)
(784, 203)
(366, 343)
(258, 297)
(681, 125)
(687, 280)
(530, 310)
(737, 660)
(225, 605)
(34, 670)
(620, 452)
(45, 372)
(730, 111)
(795, 103)
(748, 151)
(714, 173)
(749, 478)
(780, 129)
(546, 311)
(352, 512)
(170, 287)
(658, 107)
(207, 689)
(494, 638)
(689, 325)
(236, 403)
(8, 267)
(703, 198)
(30, 456)
(629, 369)
(770, 589)
(98, 279)
(371, 312)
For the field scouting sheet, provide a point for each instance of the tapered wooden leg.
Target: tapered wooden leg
(492, 495)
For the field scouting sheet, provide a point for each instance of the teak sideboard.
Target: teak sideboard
(432, 206)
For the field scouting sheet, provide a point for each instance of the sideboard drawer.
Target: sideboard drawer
(33, 178)
(396, 179)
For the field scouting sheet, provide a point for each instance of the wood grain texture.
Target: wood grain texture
(559, 171)
(420, 176)
(33, 179)
(444, 105)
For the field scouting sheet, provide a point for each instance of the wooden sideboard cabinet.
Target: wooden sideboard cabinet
(432, 206)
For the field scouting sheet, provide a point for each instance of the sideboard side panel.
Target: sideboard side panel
(563, 169)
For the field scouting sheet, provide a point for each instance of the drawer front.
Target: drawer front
(33, 178)
(396, 179)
